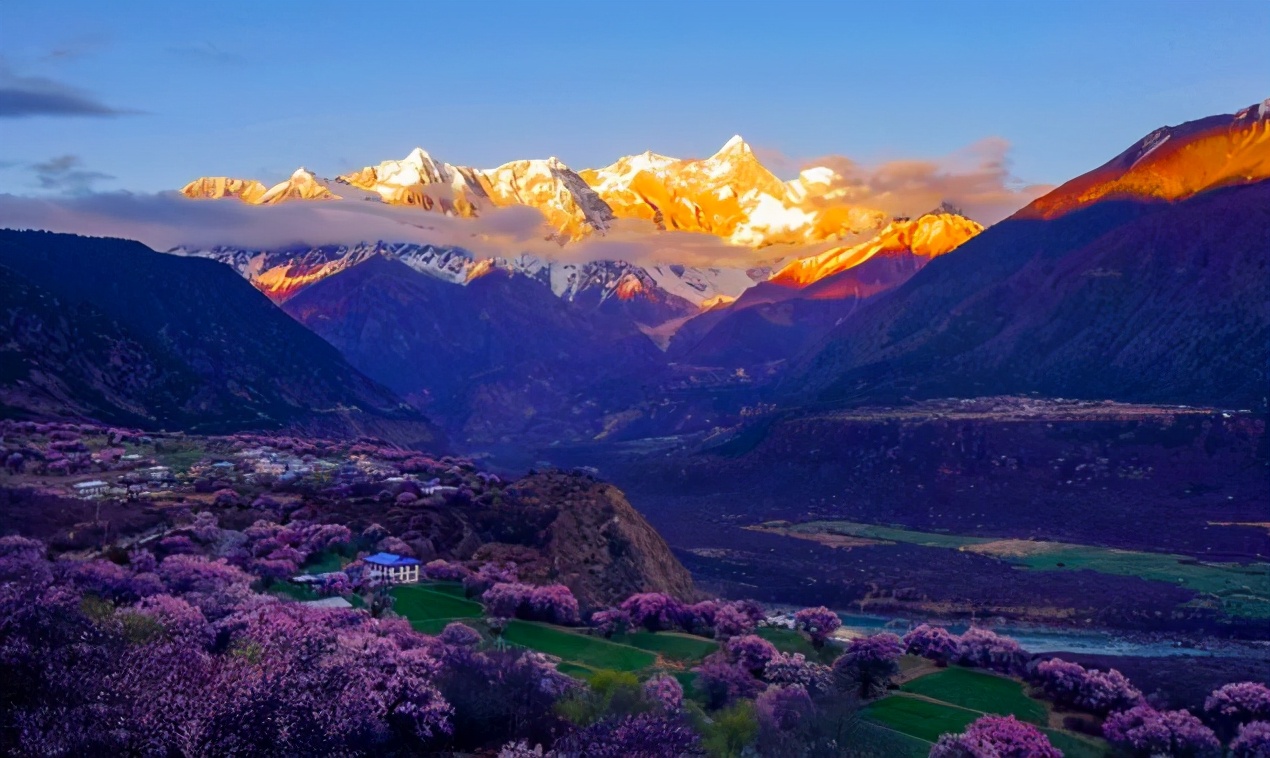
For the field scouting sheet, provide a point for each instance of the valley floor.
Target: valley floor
(1142, 519)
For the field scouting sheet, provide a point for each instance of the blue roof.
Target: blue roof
(389, 559)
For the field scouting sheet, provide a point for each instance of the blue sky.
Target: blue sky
(257, 89)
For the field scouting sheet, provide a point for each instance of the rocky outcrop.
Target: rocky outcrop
(598, 544)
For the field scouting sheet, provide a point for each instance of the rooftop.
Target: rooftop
(390, 559)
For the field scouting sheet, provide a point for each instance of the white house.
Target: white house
(95, 488)
(158, 473)
(391, 568)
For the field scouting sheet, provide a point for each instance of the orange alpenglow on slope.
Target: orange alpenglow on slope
(569, 204)
(731, 194)
(302, 185)
(1172, 163)
(419, 180)
(926, 237)
(217, 187)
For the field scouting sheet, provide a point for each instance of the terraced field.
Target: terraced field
(948, 700)
(591, 652)
(672, 646)
(420, 604)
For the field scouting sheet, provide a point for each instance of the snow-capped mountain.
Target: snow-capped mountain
(571, 208)
(301, 185)
(570, 205)
(647, 296)
(217, 187)
(420, 180)
(928, 236)
(283, 272)
(732, 195)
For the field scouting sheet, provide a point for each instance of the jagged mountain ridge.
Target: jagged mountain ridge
(779, 318)
(732, 195)
(607, 286)
(1172, 163)
(571, 209)
(927, 236)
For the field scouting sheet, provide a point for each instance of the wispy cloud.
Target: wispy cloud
(66, 174)
(977, 179)
(27, 96)
(166, 220)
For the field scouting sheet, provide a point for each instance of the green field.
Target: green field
(420, 604)
(980, 692)
(592, 652)
(575, 670)
(948, 700)
(1077, 746)
(454, 589)
(681, 648)
(1243, 588)
(790, 641)
(919, 718)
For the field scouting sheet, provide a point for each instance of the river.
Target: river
(1043, 639)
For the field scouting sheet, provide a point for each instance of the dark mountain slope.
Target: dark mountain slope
(109, 329)
(1138, 301)
(499, 356)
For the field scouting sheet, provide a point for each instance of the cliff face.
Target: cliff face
(598, 544)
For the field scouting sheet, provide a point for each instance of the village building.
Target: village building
(392, 568)
(92, 489)
(158, 473)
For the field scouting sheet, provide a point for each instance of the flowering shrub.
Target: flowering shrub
(655, 611)
(487, 576)
(750, 652)
(444, 571)
(1144, 731)
(722, 681)
(732, 621)
(1238, 703)
(179, 620)
(818, 623)
(611, 622)
(989, 650)
(996, 737)
(459, 635)
(1070, 685)
(783, 708)
(869, 664)
(1252, 741)
(334, 583)
(933, 642)
(553, 603)
(817, 679)
(665, 692)
(643, 735)
(112, 582)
